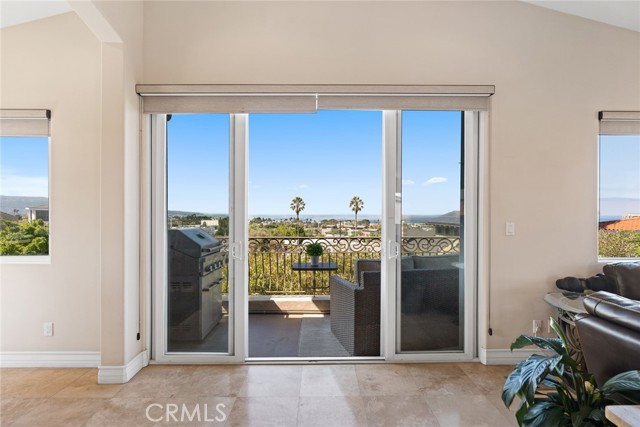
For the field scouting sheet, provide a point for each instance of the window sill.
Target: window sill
(25, 259)
(604, 261)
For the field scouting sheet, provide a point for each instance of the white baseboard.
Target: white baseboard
(122, 374)
(506, 356)
(49, 359)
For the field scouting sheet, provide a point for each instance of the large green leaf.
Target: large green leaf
(521, 412)
(545, 414)
(597, 414)
(626, 381)
(512, 385)
(578, 417)
(534, 370)
(544, 343)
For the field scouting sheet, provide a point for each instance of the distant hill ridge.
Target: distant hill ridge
(9, 203)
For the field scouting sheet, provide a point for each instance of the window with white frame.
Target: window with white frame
(619, 185)
(24, 182)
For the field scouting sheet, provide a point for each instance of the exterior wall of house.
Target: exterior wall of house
(54, 63)
(553, 73)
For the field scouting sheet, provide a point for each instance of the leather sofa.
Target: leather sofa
(610, 333)
(623, 279)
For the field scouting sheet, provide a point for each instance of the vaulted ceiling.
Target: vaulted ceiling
(625, 14)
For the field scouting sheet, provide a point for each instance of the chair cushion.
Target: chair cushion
(406, 263)
(362, 265)
(438, 261)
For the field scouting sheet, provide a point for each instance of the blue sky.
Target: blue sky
(619, 175)
(326, 158)
(24, 166)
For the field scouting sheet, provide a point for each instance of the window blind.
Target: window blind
(619, 122)
(309, 98)
(24, 122)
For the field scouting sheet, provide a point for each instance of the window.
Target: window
(24, 182)
(619, 192)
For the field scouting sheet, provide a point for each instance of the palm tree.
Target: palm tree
(356, 204)
(297, 205)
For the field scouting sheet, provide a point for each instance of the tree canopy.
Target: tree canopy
(24, 238)
(297, 205)
(356, 204)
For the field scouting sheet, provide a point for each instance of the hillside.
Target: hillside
(9, 203)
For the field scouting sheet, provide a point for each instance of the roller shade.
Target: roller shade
(24, 122)
(619, 122)
(229, 104)
(309, 98)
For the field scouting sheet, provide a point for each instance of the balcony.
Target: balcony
(271, 258)
(286, 317)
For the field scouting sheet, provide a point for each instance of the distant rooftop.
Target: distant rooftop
(622, 224)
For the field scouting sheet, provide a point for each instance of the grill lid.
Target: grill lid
(193, 242)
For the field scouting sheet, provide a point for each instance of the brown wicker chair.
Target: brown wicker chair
(355, 313)
(428, 295)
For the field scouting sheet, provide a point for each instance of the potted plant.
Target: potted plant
(315, 251)
(554, 392)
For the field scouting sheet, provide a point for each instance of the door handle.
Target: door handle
(236, 250)
(393, 251)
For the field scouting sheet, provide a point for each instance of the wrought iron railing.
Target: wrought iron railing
(271, 258)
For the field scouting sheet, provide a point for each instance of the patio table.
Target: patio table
(322, 266)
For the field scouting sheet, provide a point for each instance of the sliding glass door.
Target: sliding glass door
(430, 168)
(199, 259)
(313, 180)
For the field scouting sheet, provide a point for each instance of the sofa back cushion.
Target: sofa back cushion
(362, 265)
(438, 261)
(626, 276)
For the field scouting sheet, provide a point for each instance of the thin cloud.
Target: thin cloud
(303, 186)
(435, 180)
(408, 182)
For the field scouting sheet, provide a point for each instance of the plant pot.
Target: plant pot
(315, 260)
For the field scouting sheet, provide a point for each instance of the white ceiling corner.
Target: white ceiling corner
(19, 12)
(619, 13)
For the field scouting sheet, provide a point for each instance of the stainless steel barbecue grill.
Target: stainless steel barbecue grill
(195, 284)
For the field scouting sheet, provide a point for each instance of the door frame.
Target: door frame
(238, 228)
(476, 237)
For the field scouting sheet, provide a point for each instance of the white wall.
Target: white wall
(54, 63)
(553, 73)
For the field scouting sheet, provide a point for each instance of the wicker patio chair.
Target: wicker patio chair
(355, 313)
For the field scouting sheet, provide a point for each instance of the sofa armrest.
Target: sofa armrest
(614, 308)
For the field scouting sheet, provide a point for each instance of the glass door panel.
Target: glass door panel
(430, 282)
(197, 234)
(314, 179)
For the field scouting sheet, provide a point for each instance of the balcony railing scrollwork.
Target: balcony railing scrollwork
(271, 258)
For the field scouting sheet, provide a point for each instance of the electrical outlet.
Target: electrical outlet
(47, 329)
(537, 326)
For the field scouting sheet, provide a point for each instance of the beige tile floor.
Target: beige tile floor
(446, 395)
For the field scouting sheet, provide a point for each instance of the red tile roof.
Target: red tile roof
(623, 224)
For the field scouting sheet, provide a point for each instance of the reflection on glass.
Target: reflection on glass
(197, 233)
(24, 195)
(431, 265)
(619, 214)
